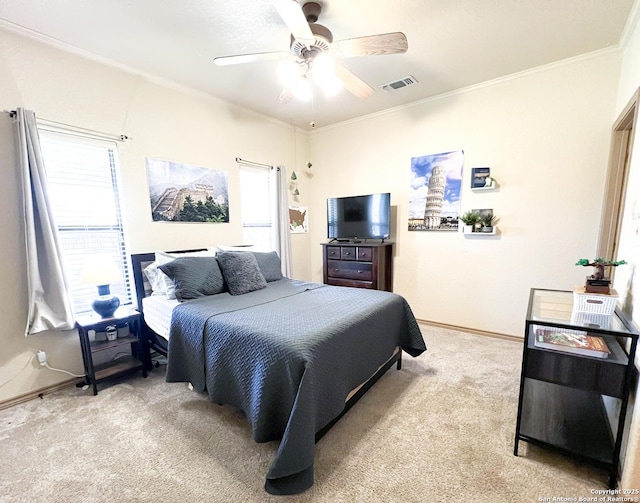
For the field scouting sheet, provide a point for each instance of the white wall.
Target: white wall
(545, 135)
(163, 122)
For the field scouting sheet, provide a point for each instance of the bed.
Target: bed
(292, 355)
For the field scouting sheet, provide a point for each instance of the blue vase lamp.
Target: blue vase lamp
(106, 304)
(101, 270)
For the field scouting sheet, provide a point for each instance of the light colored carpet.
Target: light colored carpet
(441, 429)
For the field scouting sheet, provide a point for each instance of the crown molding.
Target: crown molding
(154, 79)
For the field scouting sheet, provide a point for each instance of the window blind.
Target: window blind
(82, 177)
(258, 205)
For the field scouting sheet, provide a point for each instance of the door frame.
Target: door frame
(622, 136)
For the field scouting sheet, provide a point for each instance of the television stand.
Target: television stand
(357, 264)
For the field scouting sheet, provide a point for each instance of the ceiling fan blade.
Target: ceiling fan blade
(354, 84)
(291, 13)
(372, 45)
(250, 58)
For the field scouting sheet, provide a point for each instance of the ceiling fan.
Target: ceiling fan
(315, 52)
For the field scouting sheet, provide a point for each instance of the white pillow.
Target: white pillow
(153, 275)
(234, 248)
(161, 284)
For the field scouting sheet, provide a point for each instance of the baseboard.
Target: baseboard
(472, 330)
(39, 393)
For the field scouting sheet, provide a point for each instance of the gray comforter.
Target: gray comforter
(287, 356)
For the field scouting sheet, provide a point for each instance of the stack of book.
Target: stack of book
(587, 345)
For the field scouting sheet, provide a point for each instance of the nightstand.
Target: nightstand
(127, 324)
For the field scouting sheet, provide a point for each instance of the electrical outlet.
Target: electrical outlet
(42, 357)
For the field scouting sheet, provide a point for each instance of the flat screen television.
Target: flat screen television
(359, 217)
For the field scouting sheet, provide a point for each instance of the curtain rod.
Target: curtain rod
(69, 128)
(239, 160)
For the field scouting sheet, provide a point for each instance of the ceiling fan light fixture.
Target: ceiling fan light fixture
(289, 73)
(302, 89)
(323, 70)
(332, 86)
(324, 67)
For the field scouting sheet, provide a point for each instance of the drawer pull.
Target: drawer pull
(347, 253)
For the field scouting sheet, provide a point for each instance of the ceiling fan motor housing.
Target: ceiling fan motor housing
(321, 43)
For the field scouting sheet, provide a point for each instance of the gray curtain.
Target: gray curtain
(49, 305)
(284, 236)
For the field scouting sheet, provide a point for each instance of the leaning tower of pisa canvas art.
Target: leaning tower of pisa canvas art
(434, 201)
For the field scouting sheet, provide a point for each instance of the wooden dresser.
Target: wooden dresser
(361, 265)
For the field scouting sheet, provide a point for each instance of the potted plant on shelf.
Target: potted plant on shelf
(487, 222)
(469, 219)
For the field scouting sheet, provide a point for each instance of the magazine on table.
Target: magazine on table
(587, 345)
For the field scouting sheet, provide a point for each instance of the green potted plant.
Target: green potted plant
(470, 219)
(488, 222)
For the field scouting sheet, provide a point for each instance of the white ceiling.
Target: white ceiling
(452, 43)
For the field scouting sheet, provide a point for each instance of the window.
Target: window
(258, 198)
(85, 201)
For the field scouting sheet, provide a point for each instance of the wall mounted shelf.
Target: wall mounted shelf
(493, 188)
(481, 234)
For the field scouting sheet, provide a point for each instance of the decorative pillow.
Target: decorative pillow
(194, 277)
(164, 284)
(270, 265)
(241, 272)
(155, 281)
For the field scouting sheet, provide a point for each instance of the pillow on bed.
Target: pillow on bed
(241, 272)
(161, 284)
(269, 264)
(221, 248)
(194, 277)
(155, 280)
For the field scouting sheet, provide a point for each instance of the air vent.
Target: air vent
(398, 84)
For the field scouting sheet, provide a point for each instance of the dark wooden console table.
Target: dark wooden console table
(563, 400)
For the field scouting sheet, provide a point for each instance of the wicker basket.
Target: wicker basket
(594, 303)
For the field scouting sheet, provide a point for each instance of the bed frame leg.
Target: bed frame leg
(399, 364)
